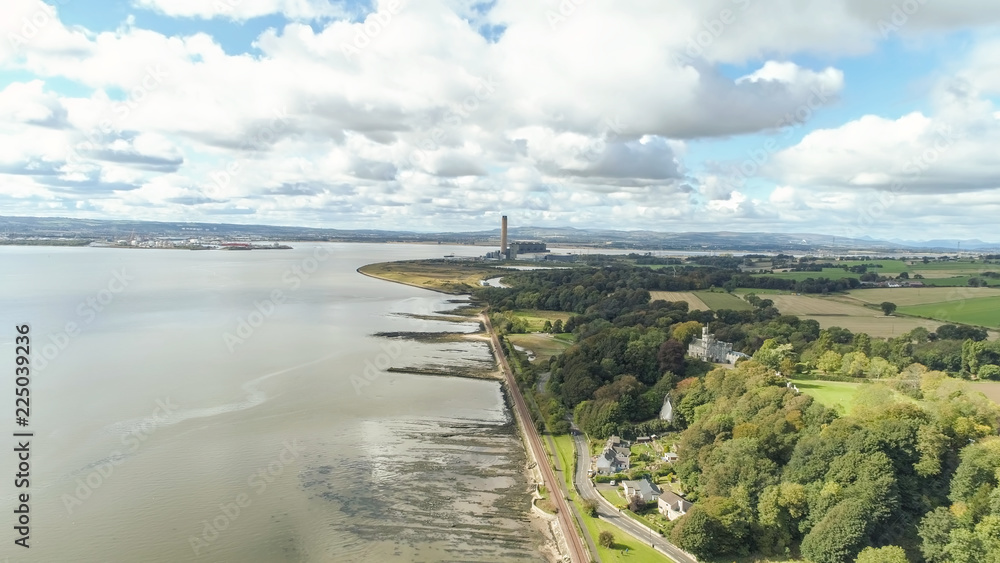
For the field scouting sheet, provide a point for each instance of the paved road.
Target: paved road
(578, 553)
(609, 513)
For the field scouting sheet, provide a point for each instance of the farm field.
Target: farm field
(831, 273)
(982, 311)
(834, 311)
(907, 296)
(989, 388)
(834, 394)
(719, 300)
(943, 274)
(693, 301)
(536, 319)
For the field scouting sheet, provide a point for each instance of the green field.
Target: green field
(831, 273)
(720, 300)
(838, 395)
(945, 274)
(982, 311)
(536, 319)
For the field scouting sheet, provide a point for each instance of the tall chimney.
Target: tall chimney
(503, 237)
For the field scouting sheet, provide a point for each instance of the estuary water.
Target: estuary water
(233, 406)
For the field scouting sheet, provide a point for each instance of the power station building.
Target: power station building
(510, 252)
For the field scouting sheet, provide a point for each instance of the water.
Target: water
(231, 406)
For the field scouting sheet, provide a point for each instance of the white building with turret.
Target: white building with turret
(711, 350)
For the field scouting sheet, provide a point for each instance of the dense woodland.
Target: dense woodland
(911, 474)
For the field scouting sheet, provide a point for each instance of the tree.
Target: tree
(880, 368)
(590, 507)
(686, 332)
(697, 533)
(829, 363)
(854, 364)
(771, 353)
(635, 503)
(888, 308)
(557, 327)
(935, 531)
(606, 539)
(547, 327)
(671, 356)
(887, 554)
(989, 371)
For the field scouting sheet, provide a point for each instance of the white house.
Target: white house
(672, 505)
(644, 488)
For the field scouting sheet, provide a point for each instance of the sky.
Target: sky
(842, 117)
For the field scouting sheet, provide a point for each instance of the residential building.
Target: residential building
(611, 462)
(642, 487)
(672, 505)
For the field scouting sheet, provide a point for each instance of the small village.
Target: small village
(638, 476)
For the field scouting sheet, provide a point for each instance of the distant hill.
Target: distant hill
(109, 230)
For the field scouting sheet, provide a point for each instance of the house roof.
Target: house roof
(644, 486)
(675, 501)
(608, 457)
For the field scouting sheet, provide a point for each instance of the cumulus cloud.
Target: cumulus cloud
(441, 112)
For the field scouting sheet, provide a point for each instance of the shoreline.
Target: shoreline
(411, 284)
(556, 545)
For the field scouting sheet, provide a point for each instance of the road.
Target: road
(577, 552)
(609, 513)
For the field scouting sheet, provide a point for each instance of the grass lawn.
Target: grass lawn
(536, 319)
(834, 394)
(722, 300)
(613, 496)
(543, 345)
(566, 453)
(981, 311)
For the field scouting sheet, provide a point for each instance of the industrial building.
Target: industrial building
(511, 251)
